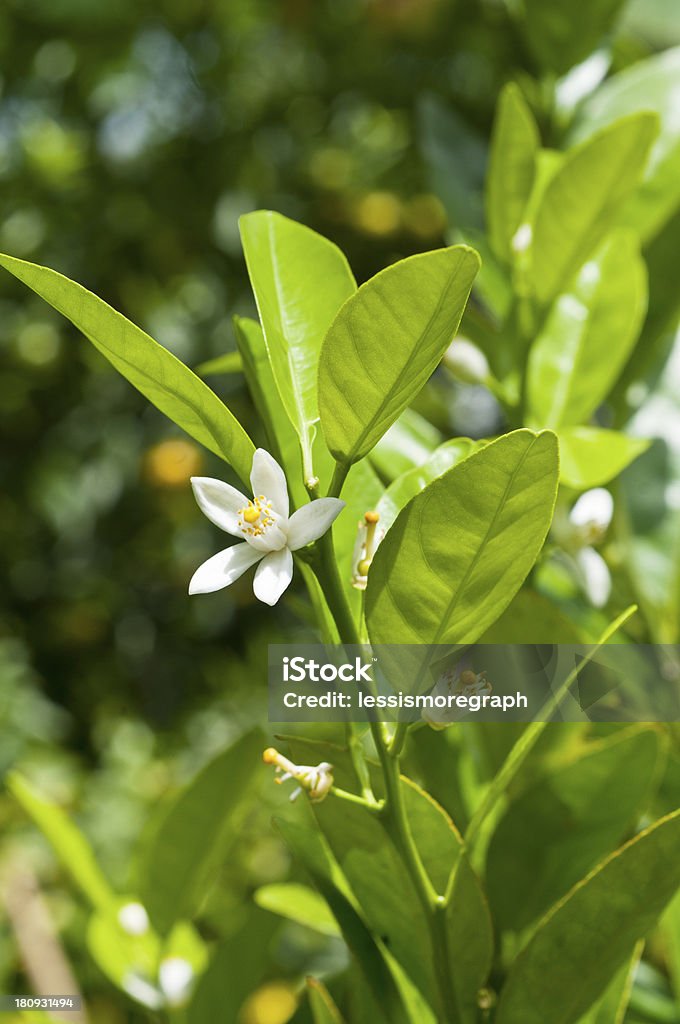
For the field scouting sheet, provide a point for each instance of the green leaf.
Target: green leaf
(583, 198)
(610, 1008)
(590, 457)
(467, 920)
(573, 364)
(460, 550)
(382, 886)
(230, 362)
(409, 442)
(384, 344)
(239, 963)
(300, 281)
(532, 618)
(298, 903)
(185, 849)
(68, 842)
(368, 952)
(512, 163)
(563, 32)
(281, 437)
(649, 84)
(413, 481)
(154, 371)
(564, 822)
(586, 938)
(324, 1010)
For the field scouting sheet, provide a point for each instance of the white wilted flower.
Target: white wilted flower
(263, 523)
(585, 526)
(317, 780)
(459, 680)
(368, 538)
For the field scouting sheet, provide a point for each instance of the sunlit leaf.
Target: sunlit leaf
(512, 164)
(300, 280)
(590, 457)
(573, 363)
(298, 903)
(459, 551)
(154, 371)
(384, 344)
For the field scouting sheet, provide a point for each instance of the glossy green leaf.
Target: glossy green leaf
(382, 886)
(460, 550)
(611, 1007)
(184, 851)
(384, 344)
(532, 618)
(229, 363)
(409, 442)
(512, 163)
(154, 371)
(562, 33)
(390, 991)
(413, 481)
(298, 903)
(583, 198)
(467, 920)
(586, 938)
(300, 281)
(324, 1010)
(564, 822)
(590, 457)
(281, 437)
(649, 84)
(67, 841)
(573, 363)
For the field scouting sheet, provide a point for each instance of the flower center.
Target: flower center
(256, 517)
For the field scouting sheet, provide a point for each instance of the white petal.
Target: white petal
(273, 575)
(268, 478)
(312, 520)
(219, 502)
(595, 577)
(223, 568)
(595, 506)
(273, 537)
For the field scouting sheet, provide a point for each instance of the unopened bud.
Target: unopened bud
(467, 362)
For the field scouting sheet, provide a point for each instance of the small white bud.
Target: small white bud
(466, 361)
(175, 976)
(133, 919)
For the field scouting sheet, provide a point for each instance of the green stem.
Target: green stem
(397, 826)
(339, 476)
(326, 570)
(373, 805)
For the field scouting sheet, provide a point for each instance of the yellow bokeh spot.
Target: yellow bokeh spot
(425, 216)
(171, 463)
(273, 1003)
(378, 213)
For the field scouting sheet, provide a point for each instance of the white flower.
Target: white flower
(368, 538)
(586, 525)
(270, 536)
(317, 779)
(459, 680)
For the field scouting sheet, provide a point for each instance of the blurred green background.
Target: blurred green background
(132, 136)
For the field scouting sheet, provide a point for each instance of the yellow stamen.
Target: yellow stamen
(251, 514)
